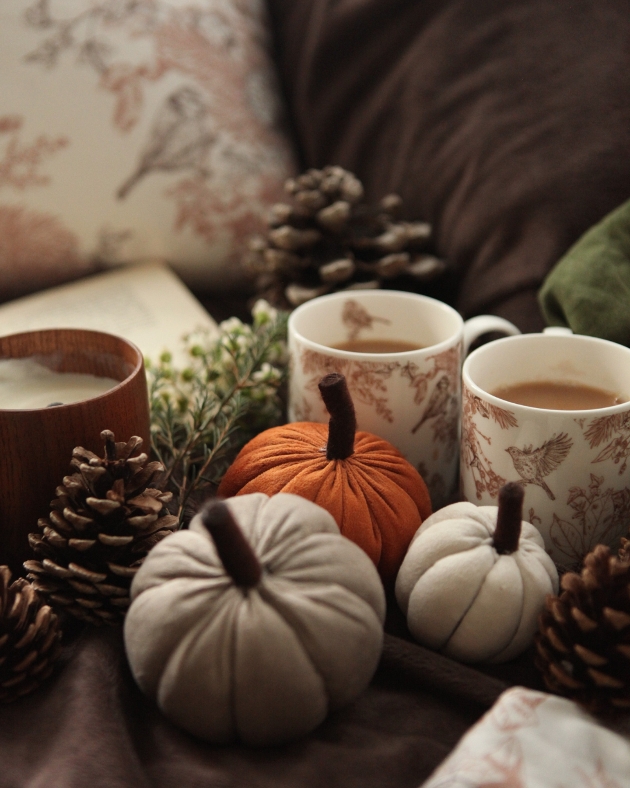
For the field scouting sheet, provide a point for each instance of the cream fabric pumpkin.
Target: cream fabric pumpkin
(464, 597)
(265, 663)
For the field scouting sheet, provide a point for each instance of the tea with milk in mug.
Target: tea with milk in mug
(377, 346)
(558, 395)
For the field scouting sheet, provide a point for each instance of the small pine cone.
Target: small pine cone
(624, 550)
(583, 643)
(103, 522)
(328, 239)
(29, 638)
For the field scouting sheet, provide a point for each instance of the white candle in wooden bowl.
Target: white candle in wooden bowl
(26, 384)
(37, 442)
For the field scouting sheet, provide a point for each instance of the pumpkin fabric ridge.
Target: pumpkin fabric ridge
(378, 499)
(264, 656)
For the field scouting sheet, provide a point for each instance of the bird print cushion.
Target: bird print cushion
(532, 739)
(132, 129)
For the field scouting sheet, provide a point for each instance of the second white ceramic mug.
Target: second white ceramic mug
(573, 464)
(412, 398)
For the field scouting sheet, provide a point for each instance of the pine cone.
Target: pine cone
(104, 520)
(583, 646)
(29, 638)
(328, 239)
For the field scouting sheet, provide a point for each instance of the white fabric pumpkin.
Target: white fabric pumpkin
(463, 597)
(262, 664)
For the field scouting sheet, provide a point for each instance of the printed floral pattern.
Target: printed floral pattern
(600, 515)
(21, 162)
(34, 244)
(614, 431)
(532, 739)
(585, 508)
(367, 382)
(190, 92)
(473, 457)
(366, 379)
(441, 410)
(37, 245)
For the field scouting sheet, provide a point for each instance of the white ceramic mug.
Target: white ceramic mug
(574, 464)
(412, 398)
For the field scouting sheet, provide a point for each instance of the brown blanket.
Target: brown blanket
(90, 727)
(506, 123)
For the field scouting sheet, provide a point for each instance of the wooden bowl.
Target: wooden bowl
(37, 444)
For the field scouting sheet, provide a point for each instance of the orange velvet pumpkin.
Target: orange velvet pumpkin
(377, 498)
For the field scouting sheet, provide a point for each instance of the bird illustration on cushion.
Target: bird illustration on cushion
(179, 139)
(532, 465)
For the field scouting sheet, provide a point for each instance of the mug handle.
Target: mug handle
(474, 327)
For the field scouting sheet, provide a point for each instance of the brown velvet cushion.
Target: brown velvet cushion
(506, 123)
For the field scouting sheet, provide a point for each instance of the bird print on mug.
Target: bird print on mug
(532, 465)
(180, 138)
(355, 318)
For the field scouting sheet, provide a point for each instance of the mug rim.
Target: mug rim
(379, 293)
(137, 368)
(469, 383)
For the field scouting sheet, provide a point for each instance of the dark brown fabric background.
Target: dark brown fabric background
(506, 123)
(90, 727)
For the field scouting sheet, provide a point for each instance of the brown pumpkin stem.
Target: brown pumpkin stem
(508, 530)
(234, 550)
(343, 421)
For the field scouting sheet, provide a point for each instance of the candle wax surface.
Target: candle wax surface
(25, 385)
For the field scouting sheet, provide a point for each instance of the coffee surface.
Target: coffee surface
(558, 395)
(377, 346)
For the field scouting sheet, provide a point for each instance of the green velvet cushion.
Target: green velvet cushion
(588, 290)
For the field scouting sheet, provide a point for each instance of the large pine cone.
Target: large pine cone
(29, 638)
(105, 519)
(584, 640)
(328, 239)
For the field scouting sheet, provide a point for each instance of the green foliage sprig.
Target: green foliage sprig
(202, 415)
